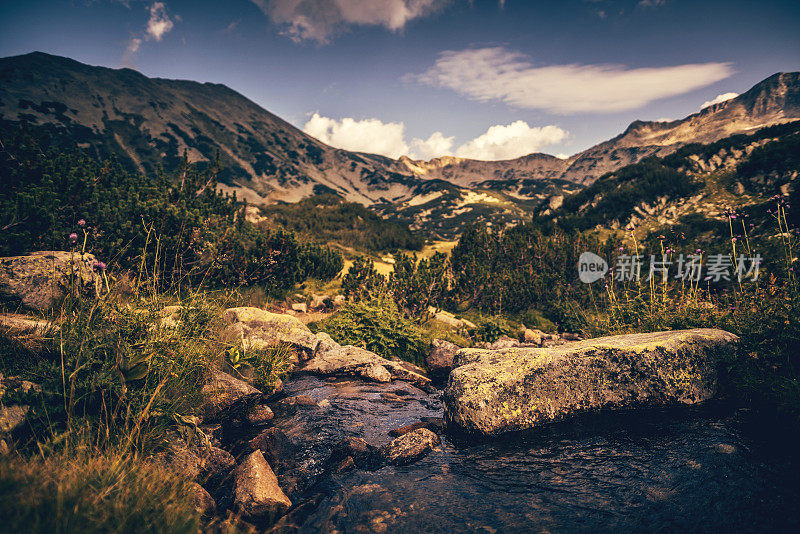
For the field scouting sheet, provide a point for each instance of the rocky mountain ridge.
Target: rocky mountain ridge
(149, 123)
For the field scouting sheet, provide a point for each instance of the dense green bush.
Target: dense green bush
(362, 281)
(172, 230)
(327, 217)
(416, 285)
(378, 326)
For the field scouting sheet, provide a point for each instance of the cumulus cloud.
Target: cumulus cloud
(511, 141)
(368, 135)
(159, 22)
(318, 20)
(498, 74)
(388, 139)
(720, 98)
(433, 147)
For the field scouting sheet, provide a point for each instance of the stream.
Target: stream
(703, 468)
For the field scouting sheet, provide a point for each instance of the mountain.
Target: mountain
(147, 122)
(150, 122)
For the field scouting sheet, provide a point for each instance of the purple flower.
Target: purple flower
(81, 223)
(100, 265)
(621, 249)
(73, 237)
(698, 251)
(733, 239)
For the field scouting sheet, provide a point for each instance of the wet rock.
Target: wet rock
(441, 359)
(355, 361)
(434, 424)
(203, 501)
(259, 415)
(363, 454)
(39, 280)
(295, 402)
(276, 446)
(215, 468)
(495, 391)
(224, 393)
(258, 496)
(410, 447)
(257, 328)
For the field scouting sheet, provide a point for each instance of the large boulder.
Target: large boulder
(258, 496)
(223, 393)
(495, 391)
(40, 279)
(355, 361)
(257, 329)
(441, 358)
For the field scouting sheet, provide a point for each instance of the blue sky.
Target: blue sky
(483, 79)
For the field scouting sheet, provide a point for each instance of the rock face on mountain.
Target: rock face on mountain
(147, 122)
(496, 391)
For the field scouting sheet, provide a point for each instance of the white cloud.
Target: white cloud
(159, 22)
(720, 98)
(488, 74)
(388, 139)
(511, 141)
(158, 25)
(435, 146)
(651, 3)
(368, 135)
(318, 20)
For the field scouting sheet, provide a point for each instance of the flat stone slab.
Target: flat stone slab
(496, 391)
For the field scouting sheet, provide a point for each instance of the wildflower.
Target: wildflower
(622, 249)
(733, 239)
(81, 223)
(73, 237)
(698, 251)
(101, 265)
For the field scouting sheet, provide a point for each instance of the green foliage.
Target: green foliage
(327, 217)
(362, 281)
(378, 326)
(491, 329)
(522, 268)
(320, 263)
(614, 195)
(417, 285)
(93, 492)
(171, 230)
(266, 365)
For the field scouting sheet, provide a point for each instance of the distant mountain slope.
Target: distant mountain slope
(150, 122)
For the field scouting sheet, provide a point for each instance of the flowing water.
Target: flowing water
(696, 469)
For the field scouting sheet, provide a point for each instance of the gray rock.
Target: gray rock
(504, 342)
(257, 329)
(40, 279)
(277, 447)
(14, 325)
(355, 361)
(326, 343)
(258, 496)
(377, 373)
(410, 447)
(441, 358)
(533, 336)
(223, 392)
(495, 391)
